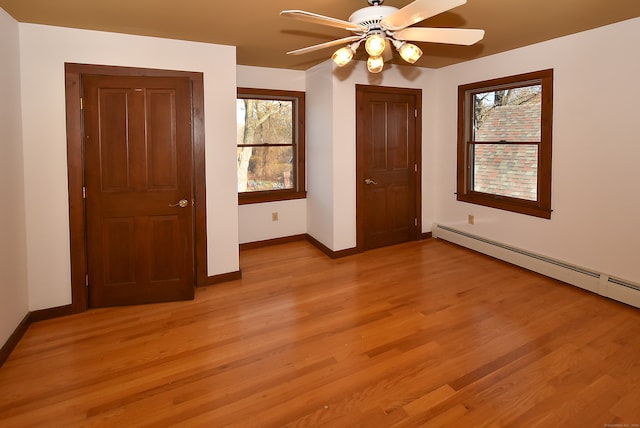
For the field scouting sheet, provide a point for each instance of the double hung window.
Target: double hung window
(504, 143)
(271, 151)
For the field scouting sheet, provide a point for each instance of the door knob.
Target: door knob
(182, 203)
(370, 181)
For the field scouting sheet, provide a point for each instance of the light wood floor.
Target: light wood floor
(420, 334)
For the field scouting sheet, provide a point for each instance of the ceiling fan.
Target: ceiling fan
(379, 27)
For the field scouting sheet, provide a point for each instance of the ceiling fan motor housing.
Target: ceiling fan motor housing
(371, 16)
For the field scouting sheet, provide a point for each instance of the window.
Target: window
(504, 143)
(270, 145)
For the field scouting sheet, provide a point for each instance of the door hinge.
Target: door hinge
(415, 223)
(81, 104)
(415, 112)
(84, 193)
(415, 167)
(86, 280)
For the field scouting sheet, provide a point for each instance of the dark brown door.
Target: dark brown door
(388, 159)
(138, 180)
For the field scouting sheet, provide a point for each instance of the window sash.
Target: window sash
(510, 170)
(521, 104)
(278, 174)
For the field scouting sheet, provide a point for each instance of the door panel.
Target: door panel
(138, 162)
(387, 153)
(114, 157)
(162, 151)
(164, 230)
(119, 253)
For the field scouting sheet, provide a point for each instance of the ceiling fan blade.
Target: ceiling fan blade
(325, 45)
(323, 20)
(454, 36)
(418, 11)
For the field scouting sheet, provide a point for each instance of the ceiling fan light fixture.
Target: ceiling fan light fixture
(375, 44)
(410, 52)
(381, 27)
(375, 64)
(342, 56)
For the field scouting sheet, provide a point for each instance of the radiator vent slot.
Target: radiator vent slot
(624, 283)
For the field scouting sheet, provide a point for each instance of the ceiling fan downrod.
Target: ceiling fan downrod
(375, 2)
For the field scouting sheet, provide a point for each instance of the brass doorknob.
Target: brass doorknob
(182, 203)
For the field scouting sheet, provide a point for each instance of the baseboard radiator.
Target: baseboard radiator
(596, 282)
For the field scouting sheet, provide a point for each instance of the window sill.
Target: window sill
(508, 204)
(269, 196)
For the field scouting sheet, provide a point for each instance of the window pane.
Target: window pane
(506, 170)
(264, 121)
(265, 168)
(508, 115)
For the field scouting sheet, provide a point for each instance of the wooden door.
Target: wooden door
(138, 181)
(387, 145)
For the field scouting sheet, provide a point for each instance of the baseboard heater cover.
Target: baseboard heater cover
(621, 290)
(596, 282)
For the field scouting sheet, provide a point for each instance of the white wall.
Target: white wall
(334, 141)
(320, 148)
(596, 149)
(14, 304)
(270, 78)
(44, 50)
(255, 220)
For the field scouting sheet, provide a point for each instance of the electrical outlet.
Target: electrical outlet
(471, 219)
(274, 216)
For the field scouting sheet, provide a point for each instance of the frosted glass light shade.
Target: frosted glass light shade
(410, 52)
(342, 56)
(375, 64)
(375, 44)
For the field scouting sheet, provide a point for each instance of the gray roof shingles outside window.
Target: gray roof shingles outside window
(508, 169)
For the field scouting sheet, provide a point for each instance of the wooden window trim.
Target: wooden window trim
(299, 191)
(542, 206)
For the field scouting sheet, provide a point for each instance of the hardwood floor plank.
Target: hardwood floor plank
(419, 334)
(429, 400)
